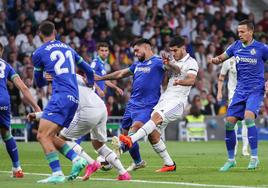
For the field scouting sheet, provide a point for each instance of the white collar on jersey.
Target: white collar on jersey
(184, 58)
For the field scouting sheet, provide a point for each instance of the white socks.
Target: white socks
(145, 130)
(244, 136)
(80, 151)
(161, 149)
(112, 158)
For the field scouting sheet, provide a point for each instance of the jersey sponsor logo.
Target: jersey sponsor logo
(3, 107)
(252, 61)
(143, 69)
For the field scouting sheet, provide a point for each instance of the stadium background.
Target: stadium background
(207, 25)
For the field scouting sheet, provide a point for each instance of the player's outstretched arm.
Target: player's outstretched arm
(99, 90)
(115, 87)
(116, 75)
(26, 93)
(218, 59)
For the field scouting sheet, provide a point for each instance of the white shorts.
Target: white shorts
(169, 110)
(88, 120)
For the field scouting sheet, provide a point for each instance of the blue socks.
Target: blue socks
(53, 160)
(12, 150)
(230, 139)
(68, 152)
(135, 153)
(252, 136)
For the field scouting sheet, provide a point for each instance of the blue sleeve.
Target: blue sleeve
(132, 68)
(265, 53)
(38, 70)
(230, 50)
(86, 68)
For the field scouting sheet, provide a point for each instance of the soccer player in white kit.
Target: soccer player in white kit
(90, 117)
(229, 66)
(172, 102)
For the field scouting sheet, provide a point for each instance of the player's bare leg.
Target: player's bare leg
(46, 132)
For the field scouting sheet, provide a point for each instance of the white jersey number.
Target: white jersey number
(60, 57)
(2, 69)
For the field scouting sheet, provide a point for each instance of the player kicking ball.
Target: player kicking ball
(171, 103)
(90, 117)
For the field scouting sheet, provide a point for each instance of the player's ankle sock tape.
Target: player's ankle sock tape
(249, 123)
(7, 136)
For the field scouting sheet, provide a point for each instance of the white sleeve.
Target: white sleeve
(225, 67)
(193, 67)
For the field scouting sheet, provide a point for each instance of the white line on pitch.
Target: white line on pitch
(152, 182)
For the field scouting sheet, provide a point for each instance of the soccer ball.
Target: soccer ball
(105, 166)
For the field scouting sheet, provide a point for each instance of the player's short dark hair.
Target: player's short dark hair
(141, 41)
(102, 44)
(248, 23)
(46, 28)
(177, 41)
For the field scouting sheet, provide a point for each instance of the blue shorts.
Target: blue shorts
(61, 109)
(245, 101)
(5, 116)
(133, 114)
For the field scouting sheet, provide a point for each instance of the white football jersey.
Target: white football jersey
(229, 66)
(188, 65)
(87, 96)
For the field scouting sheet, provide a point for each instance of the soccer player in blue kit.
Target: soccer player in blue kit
(147, 74)
(8, 73)
(98, 65)
(58, 60)
(250, 56)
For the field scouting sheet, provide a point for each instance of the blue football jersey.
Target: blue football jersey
(147, 80)
(249, 64)
(98, 65)
(58, 59)
(6, 73)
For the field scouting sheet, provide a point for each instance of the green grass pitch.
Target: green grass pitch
(197, 166)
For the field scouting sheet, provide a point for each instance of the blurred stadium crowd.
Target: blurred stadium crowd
(207, 25)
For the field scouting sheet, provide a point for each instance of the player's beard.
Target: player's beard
(142, 57)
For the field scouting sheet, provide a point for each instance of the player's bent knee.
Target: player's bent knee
(229, 126)
(157, 118)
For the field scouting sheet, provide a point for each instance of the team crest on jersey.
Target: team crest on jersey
(253, 51)
(149, 62)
